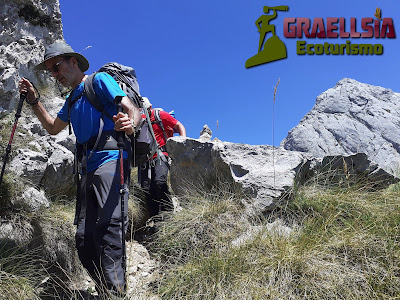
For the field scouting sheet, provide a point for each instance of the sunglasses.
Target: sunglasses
(55, 68)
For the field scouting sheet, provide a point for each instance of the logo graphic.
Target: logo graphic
(274, 48)
(377, 13)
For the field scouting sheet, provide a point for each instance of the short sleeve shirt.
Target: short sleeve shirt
(85, 119)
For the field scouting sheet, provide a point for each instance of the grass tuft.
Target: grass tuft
(20, 273)
(335, 243)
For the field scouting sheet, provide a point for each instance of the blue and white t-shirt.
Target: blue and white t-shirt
(85, 119)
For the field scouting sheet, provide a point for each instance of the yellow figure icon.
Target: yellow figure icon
(378, 13)
(274, 48)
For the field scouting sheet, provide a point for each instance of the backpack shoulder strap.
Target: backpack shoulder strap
(91, 96)
(155, 147)
(157, 117)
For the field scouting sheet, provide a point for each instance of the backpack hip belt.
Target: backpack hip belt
(107, 141)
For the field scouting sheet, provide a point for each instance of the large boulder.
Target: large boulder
(352, 118)
(262, 174)
(49, 165)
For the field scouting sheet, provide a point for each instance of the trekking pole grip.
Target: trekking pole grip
(22, 98)
(120, 134)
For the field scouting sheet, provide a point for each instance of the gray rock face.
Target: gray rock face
(32, 200)
(249, 169)
(30, 165)
(25, 27)
(350, 169)
(351, 118)
(262, 175)
(49, 166)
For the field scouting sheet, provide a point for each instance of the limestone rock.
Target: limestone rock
(263, 175)
(15, 231)
(52, 168)
(25, 27)
(141, 270)
(351, 118)
(351, 169)
(29, 165)
(32, 200)
(58, 175)
(249, 169)
(205, 133)
(274, 229)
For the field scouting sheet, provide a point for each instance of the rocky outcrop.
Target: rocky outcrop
(262, 175)
(350, 118)
(25, 27)
(42, 164)
(248, 169)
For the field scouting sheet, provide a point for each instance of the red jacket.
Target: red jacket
(168, 121)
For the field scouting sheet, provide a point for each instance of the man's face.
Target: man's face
(60, 68)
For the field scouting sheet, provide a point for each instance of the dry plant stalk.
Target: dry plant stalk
(273, 133)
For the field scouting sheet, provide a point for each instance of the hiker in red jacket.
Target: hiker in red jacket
(153, 174)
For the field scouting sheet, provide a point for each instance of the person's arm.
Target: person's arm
(259, 20)
(180, 128)
(51, 124)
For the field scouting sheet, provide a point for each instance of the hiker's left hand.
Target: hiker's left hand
(123, 123)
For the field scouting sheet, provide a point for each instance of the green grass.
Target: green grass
(329, 241)
(20, 273)
(343, 244)
(44, 259)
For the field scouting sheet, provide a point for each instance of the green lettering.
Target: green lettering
(342, 47)
(347, 47)
(319, 49)
(378, 49)
(366, 49)
(354, 49)
(334, 49)
(326, 48)
(309, 47)
(300, 47)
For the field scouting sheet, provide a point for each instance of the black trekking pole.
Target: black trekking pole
(122, 190)
(22, 98)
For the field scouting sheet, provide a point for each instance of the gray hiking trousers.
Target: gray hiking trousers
(153, 180)
(99, 227)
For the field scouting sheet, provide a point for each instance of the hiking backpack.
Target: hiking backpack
(158, 121)
(144, 144)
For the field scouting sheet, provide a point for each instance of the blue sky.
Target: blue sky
(190, 57)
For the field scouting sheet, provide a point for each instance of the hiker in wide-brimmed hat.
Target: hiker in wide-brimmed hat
(98, 215)
(65, 50)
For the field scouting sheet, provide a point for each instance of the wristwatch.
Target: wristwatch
(34, 102)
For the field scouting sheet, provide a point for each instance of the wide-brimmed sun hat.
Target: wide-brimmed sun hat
(62, 49)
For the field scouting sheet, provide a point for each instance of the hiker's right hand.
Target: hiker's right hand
(26, 87)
